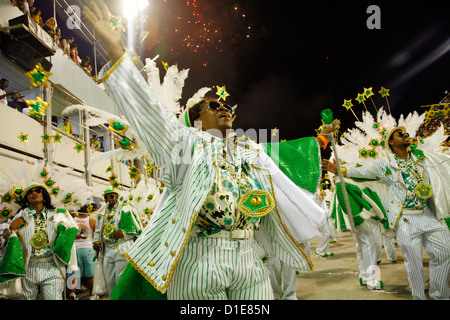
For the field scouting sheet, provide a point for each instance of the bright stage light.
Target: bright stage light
(132, 8)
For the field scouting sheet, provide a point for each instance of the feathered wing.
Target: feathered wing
(118, 155)
(144, 197)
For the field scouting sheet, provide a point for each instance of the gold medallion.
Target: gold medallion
(108, 229)
(423, 190)
(256, 203)
(39, 240)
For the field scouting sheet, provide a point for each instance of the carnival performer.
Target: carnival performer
(416, 206)
(116, 229)
(40, 246)
(225, 205)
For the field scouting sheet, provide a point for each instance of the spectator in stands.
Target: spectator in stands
(4, 84)
(50, 26)
(85, 64)
(66, 126)
(89, 71)
(74, 53)
(36, 16)
(95, 144)
(18, 102)
(65, 45)
(57, 37)
(25, 6)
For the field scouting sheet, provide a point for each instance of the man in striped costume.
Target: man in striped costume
(226, 204)
(417, 206)
(41, 246)
(117, 227)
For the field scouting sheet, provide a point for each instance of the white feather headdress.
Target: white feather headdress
(363, 144)
(65, 189)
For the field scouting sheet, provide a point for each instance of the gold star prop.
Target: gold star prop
(134, 173)
(49, 182)
(385, 93)
(112, 178)
(79, 147)
(23, 137)
(361, 98)
(116, 185)
(5, 213)
(46, 138)
(368, 94)
(118, 127)
(57, 138)
(37, 107)
(38, 76)
(222, 93)
(348, 105)
(125, 143)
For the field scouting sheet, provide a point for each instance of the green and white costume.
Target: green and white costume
(38, 252)
(192, 166)
(112, 256)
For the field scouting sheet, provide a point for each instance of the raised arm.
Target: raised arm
(156, 125)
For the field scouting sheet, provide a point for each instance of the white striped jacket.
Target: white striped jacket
(188, 172)
(387, 171)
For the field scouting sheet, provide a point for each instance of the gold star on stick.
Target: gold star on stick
(165, 65)
(368, 94)
(38, 76)
(385, 93)
(348, 105)
(222, 93)
(361, 98)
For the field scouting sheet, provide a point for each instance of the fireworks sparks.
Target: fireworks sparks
(201, 27)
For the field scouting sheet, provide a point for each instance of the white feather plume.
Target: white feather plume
(65, 191)
(119, 155)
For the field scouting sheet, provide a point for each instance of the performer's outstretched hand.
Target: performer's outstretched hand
(99, 18)
(329, 166)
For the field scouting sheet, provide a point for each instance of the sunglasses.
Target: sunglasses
(402, 134)
(107, 196)
(37, 190)
(214, 105)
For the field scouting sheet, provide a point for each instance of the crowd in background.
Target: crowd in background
(51, 27)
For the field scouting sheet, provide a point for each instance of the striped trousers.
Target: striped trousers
(415, 231)
(221, 269)
(366, 251)
(44, 278)
(113, 266)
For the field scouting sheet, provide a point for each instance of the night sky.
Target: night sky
(299, 58)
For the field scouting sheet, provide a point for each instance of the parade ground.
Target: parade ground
(336, 277)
